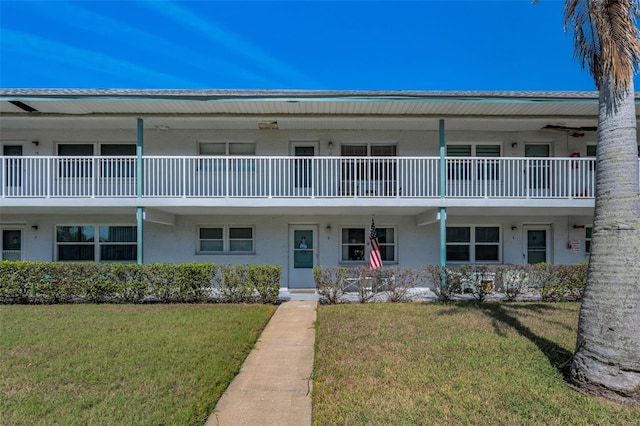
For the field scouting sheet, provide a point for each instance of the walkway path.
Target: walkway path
(274, 383)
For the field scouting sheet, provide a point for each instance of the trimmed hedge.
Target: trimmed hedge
(53, 282)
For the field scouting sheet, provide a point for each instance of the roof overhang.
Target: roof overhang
(295, 109)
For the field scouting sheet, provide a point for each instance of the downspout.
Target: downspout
(139, 176)
(443, 193)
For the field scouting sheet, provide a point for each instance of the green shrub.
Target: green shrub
(565, 283)
(266, 281)
(53, 282)
(192, 281)
(15, 285)
(130, 281)
(234, 285)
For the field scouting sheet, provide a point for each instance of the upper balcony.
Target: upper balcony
(366, 179)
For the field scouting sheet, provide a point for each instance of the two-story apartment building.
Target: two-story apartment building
(294, 177)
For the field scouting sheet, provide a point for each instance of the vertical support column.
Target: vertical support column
(443, 236)
(443, 194)
(443, 166)
(139, 160)
(139, 177)
(139, 224)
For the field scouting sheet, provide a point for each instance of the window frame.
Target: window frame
(97, 244)
(464, 172)
(119, 169)
(368, 147)
(227, 148)
(226, 240)
(472, 244)
(588, 236)
(367, 245)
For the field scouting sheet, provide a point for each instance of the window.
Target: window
(118, 243)
(223, 149)
(373, 150)
(588, 231)
(118, 167)
(353, 150)
(227, 148)
(371, 176)
(353, 244)
(462, 169)
(114, 243)
(240, 240)
(83, 167)
(71, 167)
(473, 244)
(225, 239)
(355, 247)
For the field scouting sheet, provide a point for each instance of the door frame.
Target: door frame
(315, 228)
(525, 241)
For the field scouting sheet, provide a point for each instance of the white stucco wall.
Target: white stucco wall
(185, 142)
(416, 245)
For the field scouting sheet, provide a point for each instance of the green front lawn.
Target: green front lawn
(456, 364)
(121, 364)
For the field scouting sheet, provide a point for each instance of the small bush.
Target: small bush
(477, 280)
(234, 285)
(398, 282)
(445, 281)
(512, 280)
(130, 280)
(266, 281)
(330, 282)
(368, 282)
(565, 283)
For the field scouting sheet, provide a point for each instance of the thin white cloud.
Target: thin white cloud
(73, 16)
(230, 41)
(85, 59)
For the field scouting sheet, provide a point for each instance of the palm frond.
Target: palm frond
(606, 38)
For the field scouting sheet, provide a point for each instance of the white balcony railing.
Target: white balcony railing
(297, 177)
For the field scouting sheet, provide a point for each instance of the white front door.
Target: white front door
(537, 244)
(303, 254)
(11, 244)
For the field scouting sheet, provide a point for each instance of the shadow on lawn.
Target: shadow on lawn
(503, 316)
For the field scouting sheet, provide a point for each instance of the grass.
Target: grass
(121, 364)
(460, 364)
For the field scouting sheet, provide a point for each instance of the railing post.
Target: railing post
(184, 177)
(2, 177)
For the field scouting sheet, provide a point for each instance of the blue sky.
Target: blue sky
(361, 45)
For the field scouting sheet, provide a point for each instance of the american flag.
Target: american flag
(376, 260)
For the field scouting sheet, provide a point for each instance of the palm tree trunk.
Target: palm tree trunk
(607, 358)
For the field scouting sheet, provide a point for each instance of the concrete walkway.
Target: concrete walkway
(274, 383)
